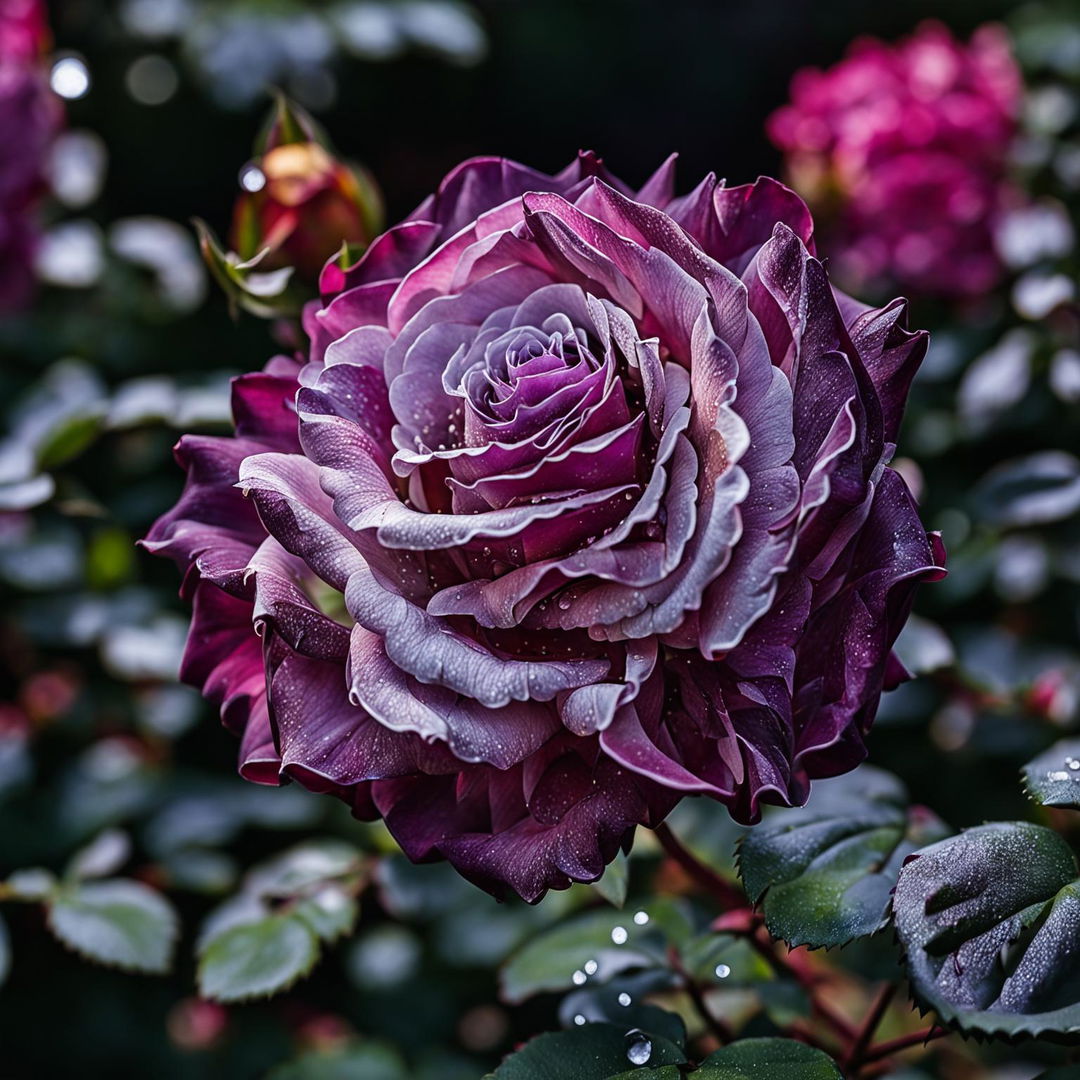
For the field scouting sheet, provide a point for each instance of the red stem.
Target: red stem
(870, 1025)
(904, 1042)
(719, 1028)
(728, 896)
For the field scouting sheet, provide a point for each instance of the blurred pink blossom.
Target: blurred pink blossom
(906, 147)
(29, 117)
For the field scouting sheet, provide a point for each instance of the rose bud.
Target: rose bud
(300, 203)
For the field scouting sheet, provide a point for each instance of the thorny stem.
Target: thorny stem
(783, 965)
(857, 1054)
(728, 896)
(854, 1056)
(904, 1042)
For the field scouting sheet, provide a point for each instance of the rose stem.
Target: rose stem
(726, 894)
(870, 1025)
(894, 1046)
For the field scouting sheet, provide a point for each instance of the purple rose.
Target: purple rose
(578, 505)
(908, 145)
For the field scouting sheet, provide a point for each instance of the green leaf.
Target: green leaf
(615, 881)
(256, 959)
(988, 922)
(304, 868)
(767, 1059)
(121, 923)
(33, 883)
(359, 1059)
(554, 959)
(331, 912)
(665, 1072)
(1053, 778)
(823, 874)
(591, 1052)
(71, 436)
(104, 855)
(267, 294)
(923, 647)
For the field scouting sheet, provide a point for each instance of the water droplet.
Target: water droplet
(70, 77)
(625, 999)
(1073, 763)
(619, 935)
(1057, 775)
(722, 971)
(590, 967)
(579, 1019)
(638, 1047)
(578, 978)
(641, 917)
(253, 179)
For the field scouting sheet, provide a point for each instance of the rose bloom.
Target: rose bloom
(578, 505)
(30, 113)
(908, 146)
(309, 204)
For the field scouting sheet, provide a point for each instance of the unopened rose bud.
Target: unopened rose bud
(300, 203)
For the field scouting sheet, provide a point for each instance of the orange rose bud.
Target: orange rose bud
(300, 203)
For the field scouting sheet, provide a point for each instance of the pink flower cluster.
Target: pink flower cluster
(29, 117)
(905, 147)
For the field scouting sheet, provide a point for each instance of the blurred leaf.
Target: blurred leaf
(110, 559)
(68, 439)
(988, 924)
(776, 1059)
(708, 831)
(304, 867)
(356, 1060)
(1033, 490)
(622, 1002)
(34, 883)
(589, 1052)
(104, 855)
(559, 958)
(823, 873)
(924, 647)
(121, 923)
(331, 912)
(256, 959)
(267, 936)
(1053, 778)
(784, 1001)
(731, 960)
(615, 881)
